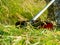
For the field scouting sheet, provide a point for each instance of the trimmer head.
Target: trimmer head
(34, 21)
(36, 24)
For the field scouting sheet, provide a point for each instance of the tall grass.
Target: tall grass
(13, 10)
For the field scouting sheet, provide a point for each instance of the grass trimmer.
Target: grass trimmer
(35, 18)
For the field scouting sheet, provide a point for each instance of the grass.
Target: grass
(28, 36)
(14, 10)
